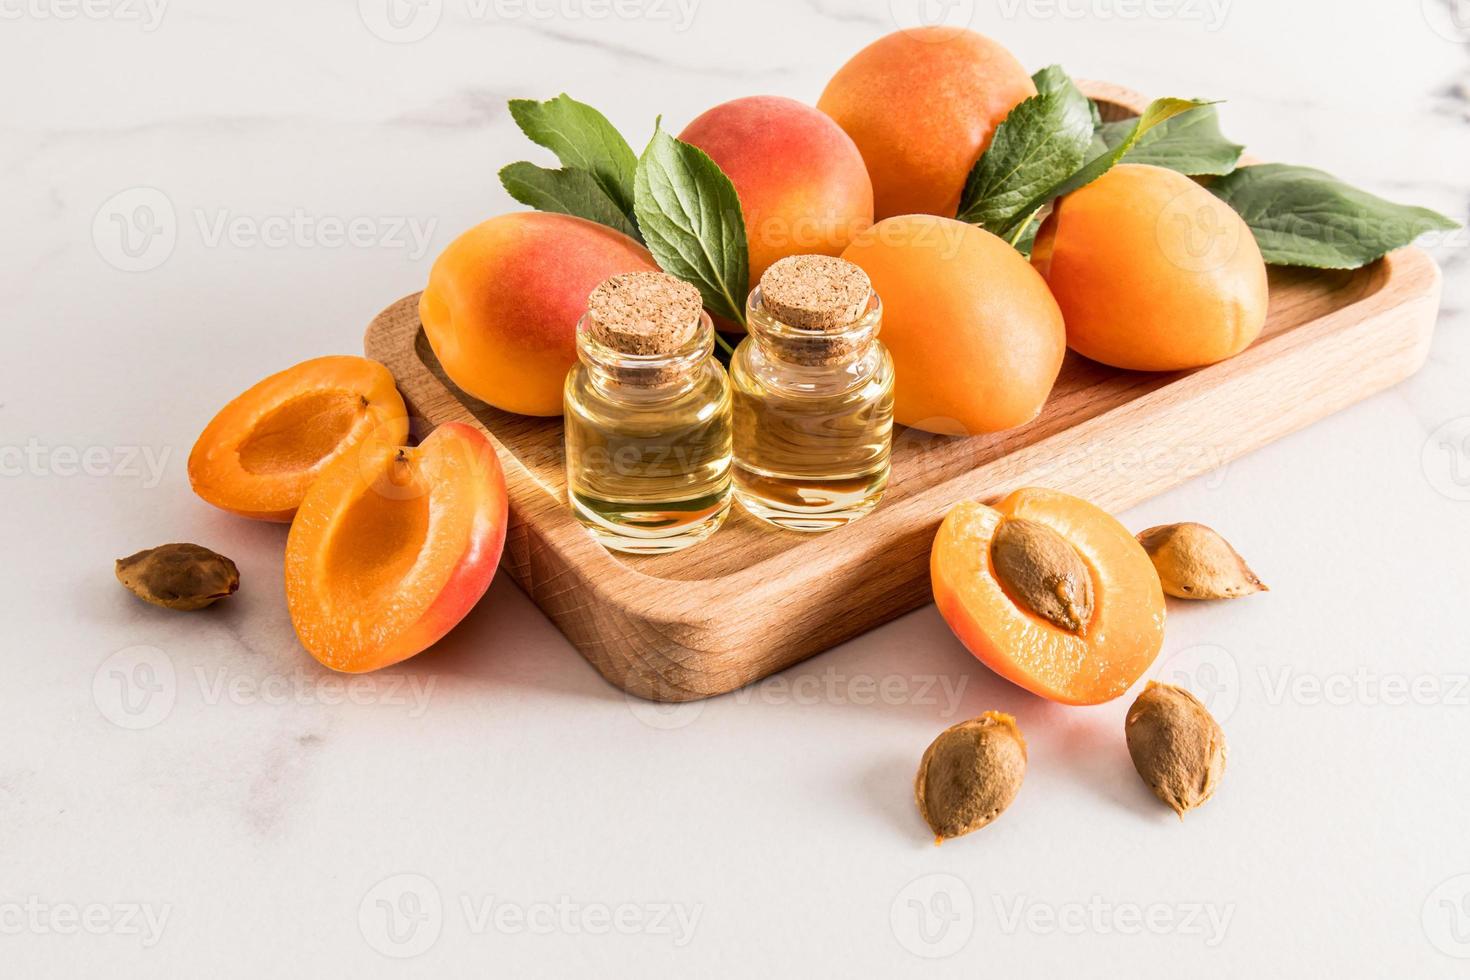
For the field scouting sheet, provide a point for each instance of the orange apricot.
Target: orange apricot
(503, 300)
(259, 455)
(1078, 626)
(975, 335)
(802, 183)
(393, 547)
(1152, 271)
(922, 105)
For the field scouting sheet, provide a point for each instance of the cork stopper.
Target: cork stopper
(815, 292)
(821, 294)
(643, 313)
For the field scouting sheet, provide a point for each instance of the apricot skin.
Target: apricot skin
(368, 589)
(503, 300)
(922, 105)
(1096, 664)
(1152, 271)
(975, 334)
(802, 183)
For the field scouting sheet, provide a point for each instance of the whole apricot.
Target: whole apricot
(802, 183)
(922, 105)
(975, 335)
(1152, 271)
(503, 301)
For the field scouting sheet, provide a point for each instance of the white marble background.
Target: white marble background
(239, 813)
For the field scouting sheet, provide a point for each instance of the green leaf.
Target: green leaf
(582, 139)
(1302, 216)
(574, 192)
(1042, 140)
(1190, 143)
(1158, 111)
(692, 222)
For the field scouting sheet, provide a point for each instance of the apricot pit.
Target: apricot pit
(1176, 746)
(970, 774)
(1038, 567)
(1195, 562)
(178, 576)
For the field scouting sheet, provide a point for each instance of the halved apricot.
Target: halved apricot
(257, 457)
(1051, 593)
(393, 546)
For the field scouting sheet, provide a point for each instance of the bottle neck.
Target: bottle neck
(645, 376)
(807, 349)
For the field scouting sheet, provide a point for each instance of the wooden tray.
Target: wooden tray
(753, 599)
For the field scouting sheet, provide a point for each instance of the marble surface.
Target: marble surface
(197, 193)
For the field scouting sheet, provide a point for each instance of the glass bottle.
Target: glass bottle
(813, 396)
(648, 430)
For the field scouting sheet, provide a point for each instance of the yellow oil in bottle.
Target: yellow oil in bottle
(651, 475)
(813, 407)
(648, 438)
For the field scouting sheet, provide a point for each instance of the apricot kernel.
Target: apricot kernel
(1176, 746)
(1195, 562)
(1040, 569)
(178, 576)
(970, 774)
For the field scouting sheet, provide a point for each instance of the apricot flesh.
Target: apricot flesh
(1152, 272)
(259, 455)
(975, 335)
(390, 550)
(802, 183)
(503, 301)
(1096, 663)
(922, 105)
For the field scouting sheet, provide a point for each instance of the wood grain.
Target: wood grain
(753, 599)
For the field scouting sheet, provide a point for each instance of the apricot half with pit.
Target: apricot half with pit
(257, 457)
(1051, 593)
(394, 546)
